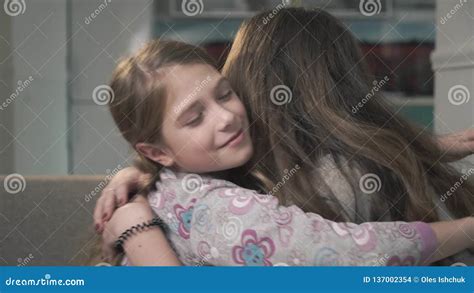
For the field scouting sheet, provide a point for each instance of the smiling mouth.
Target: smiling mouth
(236, 138)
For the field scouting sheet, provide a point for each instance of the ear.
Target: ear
(155, 153)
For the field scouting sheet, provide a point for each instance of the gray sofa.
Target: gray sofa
(49, 220)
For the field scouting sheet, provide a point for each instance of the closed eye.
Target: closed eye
(195, 121)
(226, 96)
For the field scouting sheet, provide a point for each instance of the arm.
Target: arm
(146, 248)
(270, 234)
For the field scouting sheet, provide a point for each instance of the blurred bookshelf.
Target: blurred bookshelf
(397, 42)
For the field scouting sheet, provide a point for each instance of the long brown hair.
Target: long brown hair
(319, 61)
(139, 98)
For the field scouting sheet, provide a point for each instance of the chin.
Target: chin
(237, 160)
(243, 157)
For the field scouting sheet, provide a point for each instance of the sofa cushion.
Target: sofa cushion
(49, 220)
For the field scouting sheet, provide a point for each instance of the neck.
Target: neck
(223, 174)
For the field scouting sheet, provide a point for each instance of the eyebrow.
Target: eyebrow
(196, 103)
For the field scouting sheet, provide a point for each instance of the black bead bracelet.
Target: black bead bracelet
(156, 221)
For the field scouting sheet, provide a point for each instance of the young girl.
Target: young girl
(186, 123)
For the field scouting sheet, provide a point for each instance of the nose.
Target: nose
(225, 117)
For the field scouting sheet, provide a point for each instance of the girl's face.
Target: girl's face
(205, 127)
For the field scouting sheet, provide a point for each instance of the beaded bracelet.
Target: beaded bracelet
(156, 221)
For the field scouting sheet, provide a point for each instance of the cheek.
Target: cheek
(194, 146)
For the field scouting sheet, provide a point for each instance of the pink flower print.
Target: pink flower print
(158, 198)
(363, 235)
(242, 201)
(254, 251)
(283, 217)
(315, 226)
(407, 230)
(184, 216)
(284, 234)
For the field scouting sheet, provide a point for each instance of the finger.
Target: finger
(121, 195)
(109, 207)
(98, 213)
(106, 193)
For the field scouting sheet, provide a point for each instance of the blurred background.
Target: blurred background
(55, 54)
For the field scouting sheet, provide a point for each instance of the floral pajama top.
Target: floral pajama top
(215, 222)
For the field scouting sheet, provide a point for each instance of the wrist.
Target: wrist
(128, 215)
(130, 232)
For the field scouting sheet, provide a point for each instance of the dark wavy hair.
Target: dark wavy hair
(317, 58)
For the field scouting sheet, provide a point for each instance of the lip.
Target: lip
(235, 139)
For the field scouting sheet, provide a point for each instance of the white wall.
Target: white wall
(53, 126)
(6, 114)
(118, 28)
(37, 53)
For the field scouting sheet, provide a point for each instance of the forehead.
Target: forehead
(183, 80)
